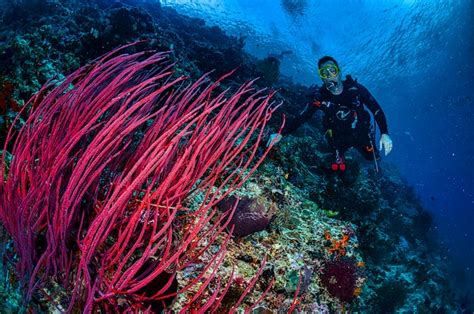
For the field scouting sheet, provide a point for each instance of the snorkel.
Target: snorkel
(331, 76)
(334, 87)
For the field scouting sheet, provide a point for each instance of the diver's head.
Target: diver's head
(330, 74)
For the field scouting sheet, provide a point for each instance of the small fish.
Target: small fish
(331, 213)
(280, 55)
(407, 133)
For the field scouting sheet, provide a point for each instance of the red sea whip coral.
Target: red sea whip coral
(103, 173)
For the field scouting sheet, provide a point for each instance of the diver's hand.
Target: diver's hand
(274, 138)
(386, 142)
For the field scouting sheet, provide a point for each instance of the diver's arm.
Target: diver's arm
(375, 108)
(379, 115)
(293, 124)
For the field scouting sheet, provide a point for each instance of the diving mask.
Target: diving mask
(328, 71)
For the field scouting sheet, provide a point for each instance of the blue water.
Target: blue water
(416, 57)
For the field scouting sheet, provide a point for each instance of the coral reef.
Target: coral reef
(307, 225)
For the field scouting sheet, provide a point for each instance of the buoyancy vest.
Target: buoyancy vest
(345, 111)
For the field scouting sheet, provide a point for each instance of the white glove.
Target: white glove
(386, 142)
(274, 138)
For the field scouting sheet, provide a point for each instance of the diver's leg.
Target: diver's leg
(339, 144)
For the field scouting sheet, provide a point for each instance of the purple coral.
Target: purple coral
(340, 278)
(250, 216)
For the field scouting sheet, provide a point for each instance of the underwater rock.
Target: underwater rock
(261, 310)
(129, 23)
(26, 11)
(250, 216)
(155, 285)
(390, 296)
(294, 8)
(269, 70)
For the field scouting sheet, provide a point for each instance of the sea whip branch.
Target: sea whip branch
(98, 190)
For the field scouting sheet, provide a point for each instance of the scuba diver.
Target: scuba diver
(346, 120)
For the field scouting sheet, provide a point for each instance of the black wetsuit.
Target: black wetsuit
(346, 119)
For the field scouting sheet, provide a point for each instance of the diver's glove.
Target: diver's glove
(274, 138)
(386, 142)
